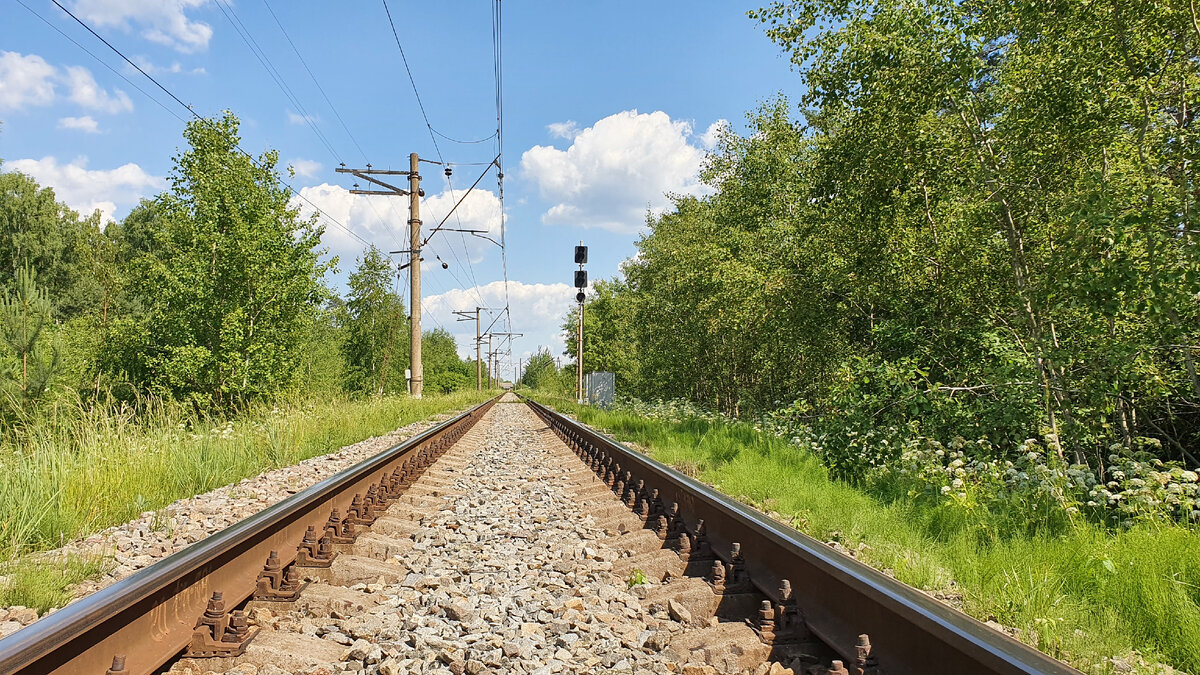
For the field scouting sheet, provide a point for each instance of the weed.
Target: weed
(1083, 592)
(636, 578)
(105, 466)
(43, 584)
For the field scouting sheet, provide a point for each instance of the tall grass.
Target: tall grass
(1084, 596)
(83, 469)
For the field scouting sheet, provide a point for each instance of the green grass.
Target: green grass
(43, 584)
(85, 470)
(1083, 596)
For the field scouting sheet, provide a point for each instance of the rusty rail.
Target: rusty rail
(876, 624)
(148, 618)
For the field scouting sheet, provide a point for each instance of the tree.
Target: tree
(376, 344)
(230, 279)
(541, 373)
(608, 340)
(38, 232)
(24, 317)
(444, 371)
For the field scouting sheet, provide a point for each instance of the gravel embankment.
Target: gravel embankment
(502, 558)
(158, 534)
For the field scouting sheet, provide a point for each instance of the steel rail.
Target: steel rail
(149, 617)
(840, 598)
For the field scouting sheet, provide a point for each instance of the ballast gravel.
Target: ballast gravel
(157, 534)
(503, 575)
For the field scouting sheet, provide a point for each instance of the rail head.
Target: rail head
(80, 636)
(840, 597)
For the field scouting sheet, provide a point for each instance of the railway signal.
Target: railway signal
(581, 255)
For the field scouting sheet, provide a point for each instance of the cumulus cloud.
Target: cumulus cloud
(85, 92)
(616, 170)
(712, 134)
(568, 130)
(29, 81)
(384, 221)
(537, 311)
(162, 21)
(87, 190)
(25, 80)
(306, 167)
(85, 124)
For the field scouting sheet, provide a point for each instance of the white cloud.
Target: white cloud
(162, 21)
(712, 134)
(88, 94)
(298, 119)
(537, 311)
(85, 124)
(617, 169)
(29, 80)
(568, 130)
(479, 210)
(306, 167)
(87, 190)
(25, 80)
(384, 221)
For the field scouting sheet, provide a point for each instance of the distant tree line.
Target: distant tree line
(980, 222)
(212, 292)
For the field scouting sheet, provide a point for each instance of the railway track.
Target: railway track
(525, 543)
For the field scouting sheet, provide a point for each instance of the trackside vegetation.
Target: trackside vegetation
(1104, 601)
(194, 343)
(213, 293)
(956, 286)
(109, 464)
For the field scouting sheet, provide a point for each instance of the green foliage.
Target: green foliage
(70, 475)
(1082, 593)
(321, 368)
(606, 345)
(542, 374)
(443, 370)
(39, 233)
(376, 345)
(229, 282)
(46, 584)
(30, 359)
(980, 226)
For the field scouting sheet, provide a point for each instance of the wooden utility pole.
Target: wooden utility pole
(414, 194)
(489, 355)
(467, 316)
(414, 290)
(508, 336)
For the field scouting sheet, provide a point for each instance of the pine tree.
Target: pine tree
(24, 316)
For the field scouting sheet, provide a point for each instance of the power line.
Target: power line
(196, 115)
(244, 33)
(102, 62)
(311, 124)
(498, 61)
(455, 140)
(433, 134)
(314, 79)
(411, 80)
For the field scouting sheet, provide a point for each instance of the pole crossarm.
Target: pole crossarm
(365, 174)
(414, 194)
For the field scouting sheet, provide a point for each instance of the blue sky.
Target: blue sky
(606, 107)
